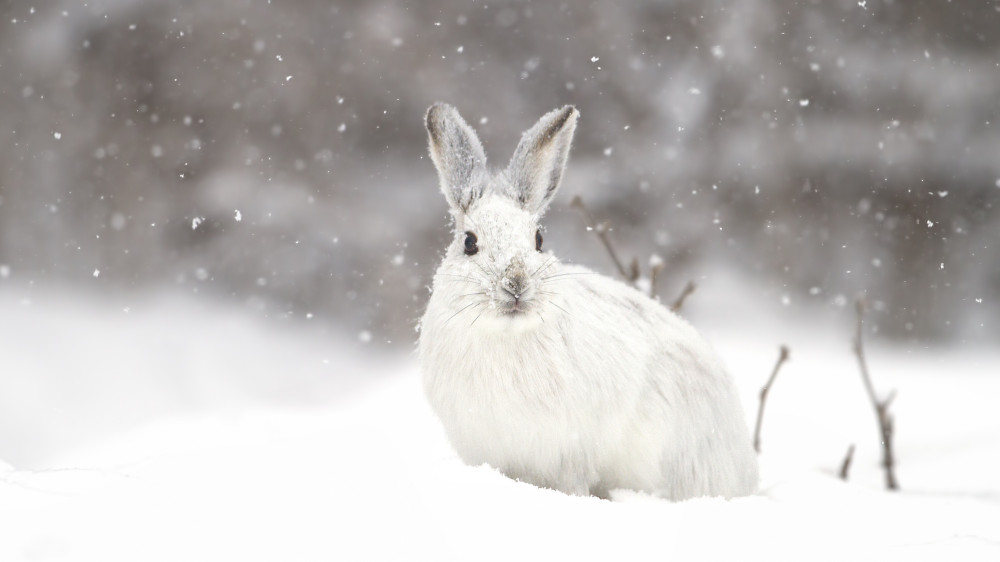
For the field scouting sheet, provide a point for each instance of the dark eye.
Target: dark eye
(538, 240)
(470, 243)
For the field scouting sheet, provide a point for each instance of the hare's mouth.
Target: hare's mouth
(515, 305)
(514, 315)
(516, 309)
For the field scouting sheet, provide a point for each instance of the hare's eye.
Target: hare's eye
(538, 240)
(470, 243)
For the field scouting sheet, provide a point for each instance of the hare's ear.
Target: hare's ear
(538, 162)
(457, 154)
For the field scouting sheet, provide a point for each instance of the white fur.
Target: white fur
(588, 385)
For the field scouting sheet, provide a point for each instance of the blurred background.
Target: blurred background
(271, 154)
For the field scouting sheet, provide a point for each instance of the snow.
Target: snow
(180, 430)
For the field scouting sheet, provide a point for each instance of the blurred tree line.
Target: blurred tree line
(274, 152)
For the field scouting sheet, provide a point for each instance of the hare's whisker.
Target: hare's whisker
(486, 273)
(535, 275)
(477, 317)
(453, 276)
(569, 274)
(546, 281)
(483, 293)
(561, 308)
(462, 310)
(544, 266)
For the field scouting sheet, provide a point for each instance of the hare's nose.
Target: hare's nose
(515, 278)
(512, 288)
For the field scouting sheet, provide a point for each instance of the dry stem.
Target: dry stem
(679, 301)
(845, 467)
(885, 421)
(631, 274)
(601, 230)
(782, 357)
(654, 271)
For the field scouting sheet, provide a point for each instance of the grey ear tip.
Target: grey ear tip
(566, 115)
(438, 105)
(432, 117)
(437, 108)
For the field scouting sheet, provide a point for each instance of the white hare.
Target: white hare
(553, 374)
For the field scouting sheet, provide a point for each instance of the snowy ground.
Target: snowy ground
(182, 431)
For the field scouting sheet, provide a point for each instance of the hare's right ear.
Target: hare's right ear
(457, 154)
(537, 166)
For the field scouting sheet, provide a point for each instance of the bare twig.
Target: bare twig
(656, 265)
(631, 274)
(679, 301)
(782, 357)
(881, 407)
(602, 232)
(845, 467)
(633, 270)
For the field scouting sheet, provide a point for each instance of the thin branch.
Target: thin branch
(885, 421)
(633, 270)
(845, 466)
(602, 232)
(656, 265)
(685, 293)
(782, 357)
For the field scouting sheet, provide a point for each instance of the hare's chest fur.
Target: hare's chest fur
(508, 401)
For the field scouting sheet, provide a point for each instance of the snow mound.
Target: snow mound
(368, 475)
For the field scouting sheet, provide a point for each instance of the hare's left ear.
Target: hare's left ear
(537, 166)
(457, 154)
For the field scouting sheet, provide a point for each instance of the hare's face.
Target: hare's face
(496, 257)
(497, 251)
